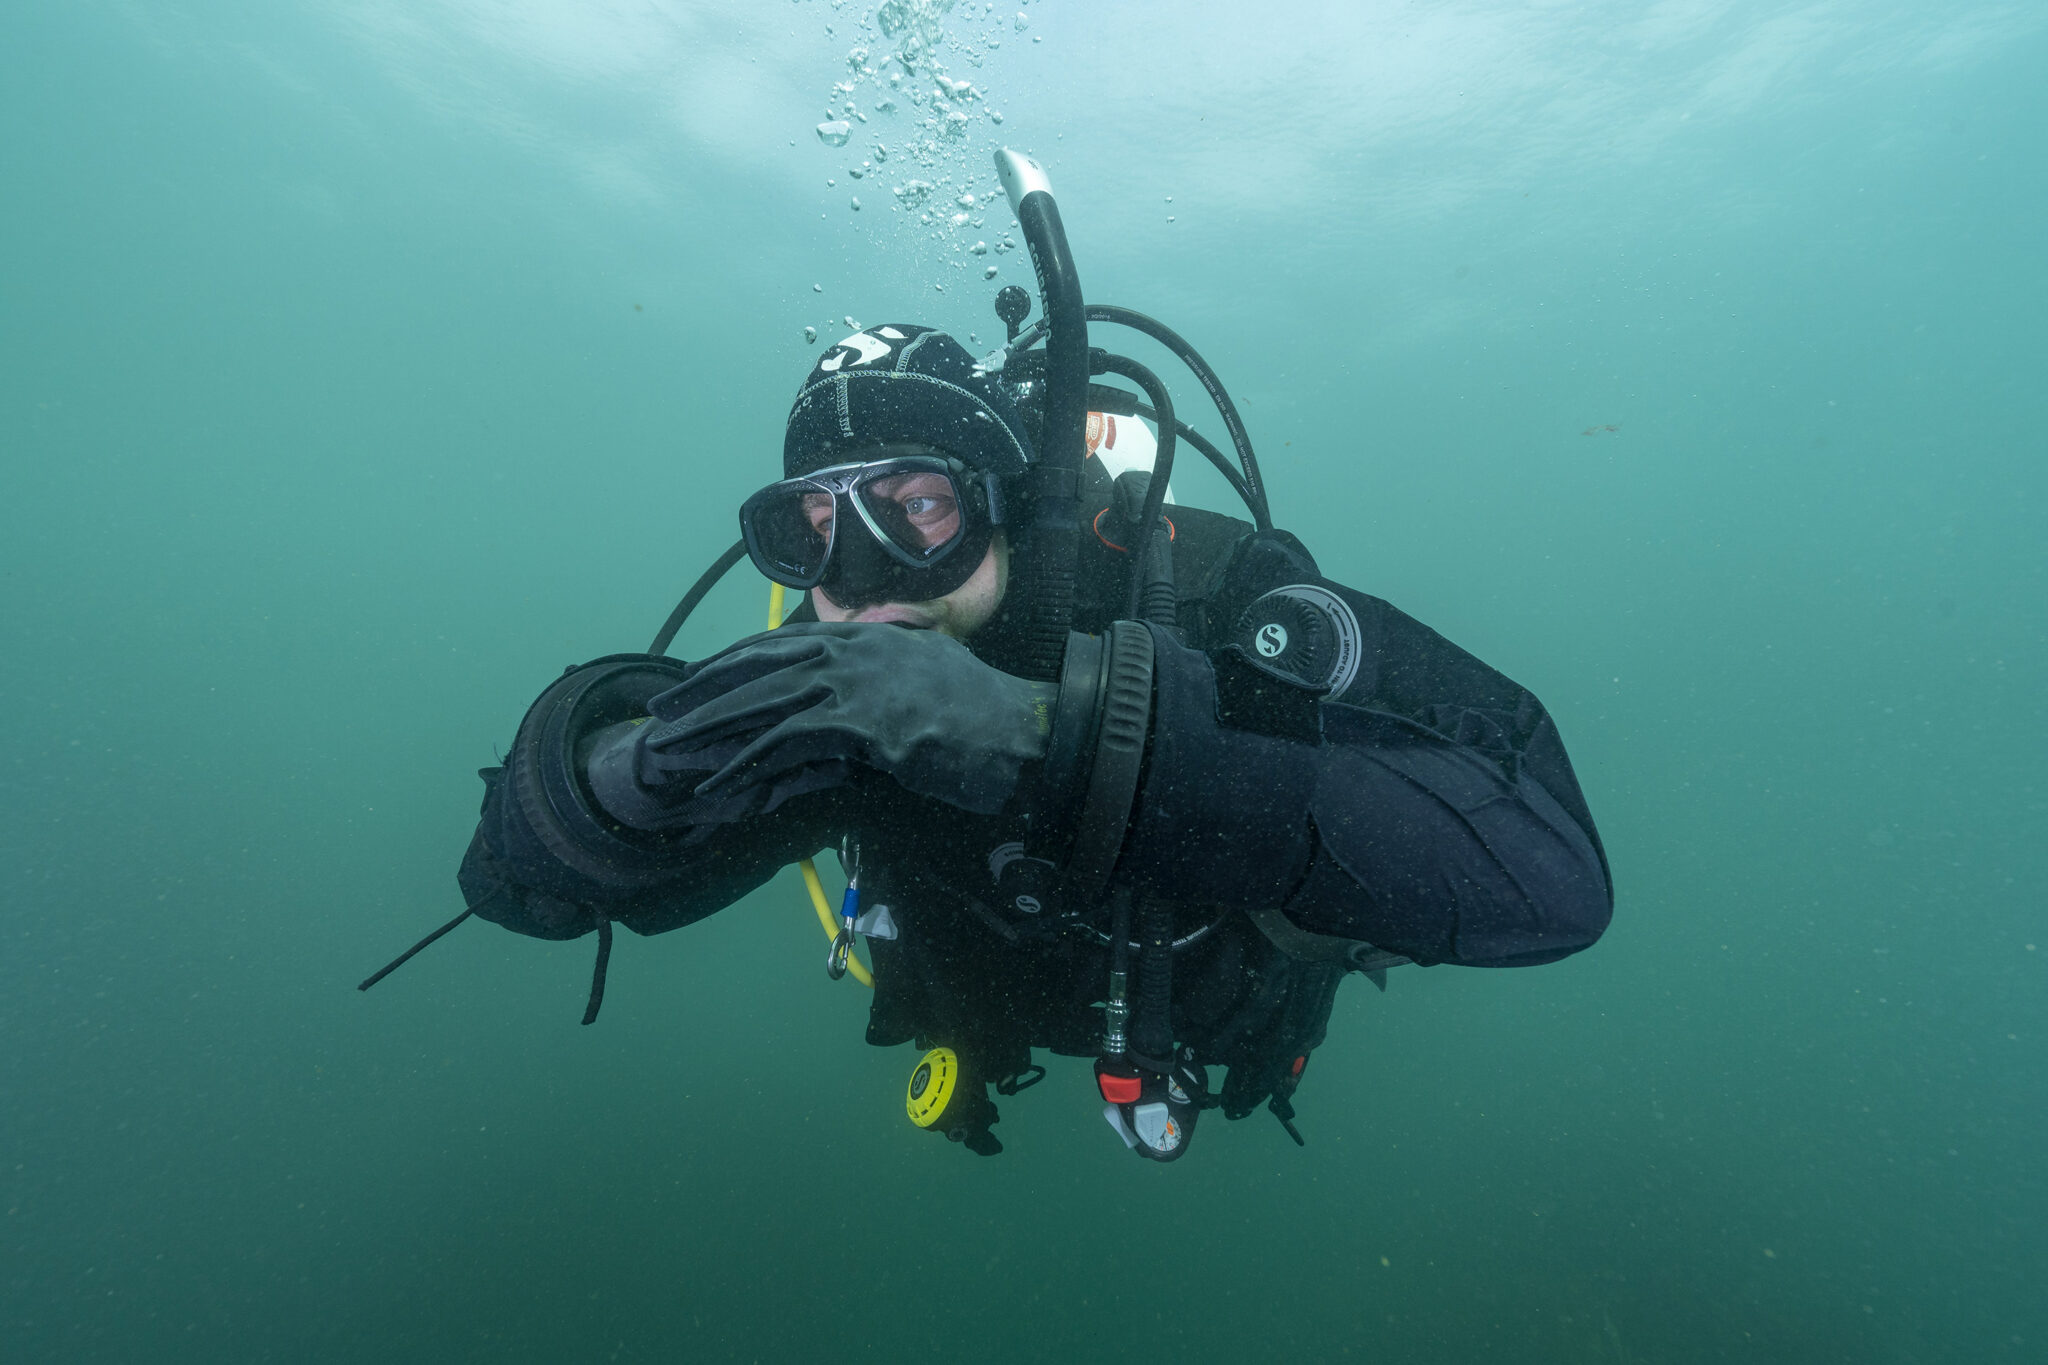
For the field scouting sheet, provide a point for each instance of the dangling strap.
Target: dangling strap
(604, 960)
(1305, 946)
(413, 951)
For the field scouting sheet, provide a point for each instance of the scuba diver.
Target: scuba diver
(1108, 776)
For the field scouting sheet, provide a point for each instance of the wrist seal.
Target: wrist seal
(545, 778)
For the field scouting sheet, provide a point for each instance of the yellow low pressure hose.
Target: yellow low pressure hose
(806, 865)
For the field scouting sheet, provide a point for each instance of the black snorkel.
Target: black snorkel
(1053, 484)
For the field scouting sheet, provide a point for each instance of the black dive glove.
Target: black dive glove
(811, 699)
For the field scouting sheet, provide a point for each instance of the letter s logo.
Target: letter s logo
(868, 350)
(1272, 639)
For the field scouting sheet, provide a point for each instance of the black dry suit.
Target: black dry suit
(1425, 808)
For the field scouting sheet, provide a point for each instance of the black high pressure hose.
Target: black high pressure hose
(1190, 357)
(1252, 486)
(719, 568)
(1109, 398)
(1056, 478)
(1152, 1023)
(1153, 597)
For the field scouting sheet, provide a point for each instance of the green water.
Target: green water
(362, 364)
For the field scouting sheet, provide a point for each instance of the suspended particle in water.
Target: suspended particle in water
(940, 287)
(817, 289)
(831, 184)
(856, 203)
(810, 336)
(835, 132)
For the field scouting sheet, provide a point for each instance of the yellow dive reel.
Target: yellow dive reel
(942, 1098)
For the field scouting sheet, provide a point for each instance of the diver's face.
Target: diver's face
(959, 613)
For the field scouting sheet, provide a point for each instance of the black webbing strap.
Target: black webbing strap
(1305, 946)
(597, 973)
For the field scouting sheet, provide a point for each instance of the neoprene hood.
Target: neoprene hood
(901, 383)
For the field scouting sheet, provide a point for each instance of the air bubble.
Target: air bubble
(835, 132)
(989, 273)
(810, 336)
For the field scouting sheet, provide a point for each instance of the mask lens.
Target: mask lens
(918, 510)
(789, 531)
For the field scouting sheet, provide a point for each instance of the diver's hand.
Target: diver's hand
(914, 704)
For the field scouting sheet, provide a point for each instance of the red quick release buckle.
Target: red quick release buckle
(1119, 1089)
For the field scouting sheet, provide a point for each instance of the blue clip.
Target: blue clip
(849, 906)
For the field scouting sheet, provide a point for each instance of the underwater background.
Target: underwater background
(364, 363)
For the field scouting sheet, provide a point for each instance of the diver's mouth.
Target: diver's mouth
(891, 615)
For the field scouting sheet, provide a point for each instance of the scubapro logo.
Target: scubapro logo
(1272, 639)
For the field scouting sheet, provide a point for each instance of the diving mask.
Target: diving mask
(904, 527)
